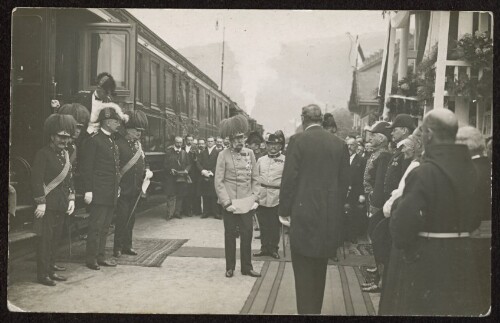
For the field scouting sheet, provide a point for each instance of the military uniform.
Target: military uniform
(270, 170)
(236, 178)
(48, 164)
(100, 169)
(130, 188)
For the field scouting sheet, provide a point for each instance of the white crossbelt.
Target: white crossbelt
(444, 235)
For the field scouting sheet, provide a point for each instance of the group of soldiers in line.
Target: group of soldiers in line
(104, 149)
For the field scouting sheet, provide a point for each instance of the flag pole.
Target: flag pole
(222, 60)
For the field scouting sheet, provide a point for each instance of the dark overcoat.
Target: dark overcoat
(176, 185)
(208, 162)
(313, 191)
(100, 168)
(434, 276)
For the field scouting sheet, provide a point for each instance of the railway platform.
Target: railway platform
(190, 280)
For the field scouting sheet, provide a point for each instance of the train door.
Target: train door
(31, 89)
(109, 47)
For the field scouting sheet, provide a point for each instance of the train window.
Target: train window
(155, 71)
(138, 73)
(169, 89)
(221, 115)
(108, 54)
(214, 111)
(27, 49)
(197, 103)
(184, 97)
(153, 139)
(209, 111)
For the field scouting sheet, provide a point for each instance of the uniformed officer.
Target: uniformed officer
(237, 190)
(81, 116)
(402, 127)
(270, 170)
(54, 194)
(132, 170)
(100, 169)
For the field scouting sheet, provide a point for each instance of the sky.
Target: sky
(254, 36)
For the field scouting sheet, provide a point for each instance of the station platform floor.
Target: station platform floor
(190, 280)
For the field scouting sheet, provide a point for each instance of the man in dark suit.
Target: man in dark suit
(313, 192)
(100, 169)
(177, 165)
(355, 197)
(206, 163)
(192, 202)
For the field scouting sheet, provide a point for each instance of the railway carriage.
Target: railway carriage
(57, 54)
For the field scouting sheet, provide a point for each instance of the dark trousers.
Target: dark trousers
(48, 242)
(210, 206)
(356, 221)
(269, 225)
(99, 221)
(310, 277)
(123, 231)
(244, 221)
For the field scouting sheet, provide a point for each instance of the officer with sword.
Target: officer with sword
(134, 173)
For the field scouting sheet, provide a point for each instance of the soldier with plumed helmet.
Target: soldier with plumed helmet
(133, 167)
(82, 116)
(54, 195)
(237, 190)
(100, 169)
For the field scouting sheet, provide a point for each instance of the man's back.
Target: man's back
(313, 191)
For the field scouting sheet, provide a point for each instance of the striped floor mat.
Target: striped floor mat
(274, 292)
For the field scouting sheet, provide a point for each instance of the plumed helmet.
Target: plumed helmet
(234, 126)
(255, 138)
(137, 120)
(78, 111)
(107, 110)
(59, 124)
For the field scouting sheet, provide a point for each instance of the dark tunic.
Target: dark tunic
(180, 162)
(208, 162)
(131, 181)
(100, 168)
(374, 176)
(395, 171)
(432, 276)
(313, 191)
(49, 164)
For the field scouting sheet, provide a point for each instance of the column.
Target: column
(444, 26)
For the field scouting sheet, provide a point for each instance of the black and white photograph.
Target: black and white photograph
(250, 162)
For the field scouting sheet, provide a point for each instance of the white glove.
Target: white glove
(149, 174)
(88, 197)
(40, 210)
(285, 220)
(71, 207)
(205, 173)
(254, 206)
(231, 208)
(361, 198)
(119, 191)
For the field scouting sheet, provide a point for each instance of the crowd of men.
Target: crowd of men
(421, 194)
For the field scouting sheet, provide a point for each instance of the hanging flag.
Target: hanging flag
(360, 52)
